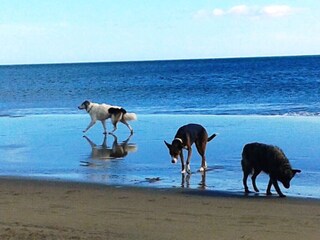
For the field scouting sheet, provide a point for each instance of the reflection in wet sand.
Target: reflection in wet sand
(185, 180)
(105, 152)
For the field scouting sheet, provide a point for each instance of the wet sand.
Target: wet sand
(34, 209)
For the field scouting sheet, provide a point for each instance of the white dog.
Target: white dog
(102, 112)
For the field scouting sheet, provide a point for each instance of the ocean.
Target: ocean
(242, 86)
(273, 100)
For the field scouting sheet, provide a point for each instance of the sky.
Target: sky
(65, 31)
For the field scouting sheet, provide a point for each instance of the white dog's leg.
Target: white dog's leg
(104, 126)
(115, 120)
(89, 126)
(127, 124)
(114, 128)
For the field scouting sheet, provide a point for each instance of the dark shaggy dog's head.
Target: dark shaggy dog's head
(286, 176)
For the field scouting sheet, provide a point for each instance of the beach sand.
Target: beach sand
(36, 209)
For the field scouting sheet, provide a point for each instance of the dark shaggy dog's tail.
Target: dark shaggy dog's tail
(211, 137)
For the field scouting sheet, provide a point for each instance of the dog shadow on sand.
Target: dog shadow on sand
(116, 151)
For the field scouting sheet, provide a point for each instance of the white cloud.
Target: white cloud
(271, 11)
(277, 10)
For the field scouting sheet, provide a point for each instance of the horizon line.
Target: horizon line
(159, 60)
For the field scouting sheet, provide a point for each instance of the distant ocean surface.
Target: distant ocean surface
(240, 86)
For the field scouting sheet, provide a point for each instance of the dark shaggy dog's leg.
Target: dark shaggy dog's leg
(253, 178)
(244, 180)
(276, 186)
(269, 187)
(246, 172)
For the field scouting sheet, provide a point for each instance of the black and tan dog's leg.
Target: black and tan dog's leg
(188, 169)
(201, 147)
(182, 163)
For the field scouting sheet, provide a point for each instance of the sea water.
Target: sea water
(272, 100)
(245, 86)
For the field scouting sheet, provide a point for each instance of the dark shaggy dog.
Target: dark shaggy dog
(257, 157)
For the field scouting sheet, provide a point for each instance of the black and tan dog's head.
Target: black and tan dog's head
(175, 149)
(85, 105)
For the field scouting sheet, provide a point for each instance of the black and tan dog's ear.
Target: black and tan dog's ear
(168, 145)
(294, 171)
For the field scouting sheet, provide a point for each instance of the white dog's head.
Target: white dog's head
(85, 105)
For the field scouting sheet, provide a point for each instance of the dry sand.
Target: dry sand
(34, 209)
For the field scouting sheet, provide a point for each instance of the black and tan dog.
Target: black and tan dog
(184, 138)
(258, 157)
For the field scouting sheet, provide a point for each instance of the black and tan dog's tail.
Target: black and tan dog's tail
(212, 137)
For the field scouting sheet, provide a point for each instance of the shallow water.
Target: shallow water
(53, 147)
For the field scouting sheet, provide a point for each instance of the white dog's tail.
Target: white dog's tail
(130, 116)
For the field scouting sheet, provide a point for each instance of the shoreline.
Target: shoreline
(30, 112)
(67, 210)
(192, 191)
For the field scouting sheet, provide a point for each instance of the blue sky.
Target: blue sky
(59, 31)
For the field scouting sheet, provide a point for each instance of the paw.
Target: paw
(188, 169)
(202, 169)
(183, 171)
